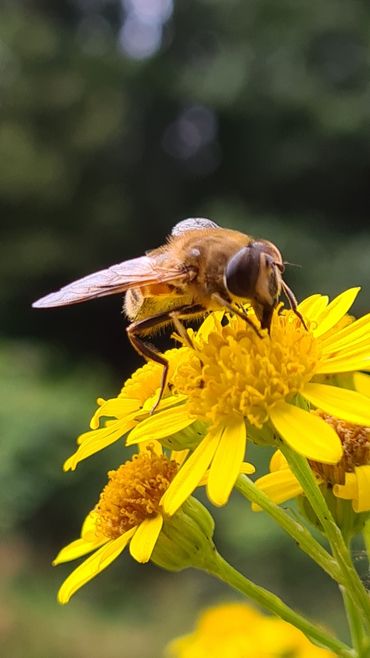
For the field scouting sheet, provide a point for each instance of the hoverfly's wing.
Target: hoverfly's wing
(192, 224)
(134, 273)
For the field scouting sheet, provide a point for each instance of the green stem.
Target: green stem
(225, 572)
(358, 635)
(350, 578)
(299, 532)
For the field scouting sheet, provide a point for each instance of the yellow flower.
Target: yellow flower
(134, 402)
(242, 385)
(129, 513)
(236, 630)
(349, 479)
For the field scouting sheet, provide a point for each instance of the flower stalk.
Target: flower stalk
(222, 570)
(297, 531)
(360, 638)
(350, 579)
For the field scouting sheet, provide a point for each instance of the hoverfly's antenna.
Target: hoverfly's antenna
(286, 262)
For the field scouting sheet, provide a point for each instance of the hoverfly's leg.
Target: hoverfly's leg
(181, 330)
(186, 313)
(293, 302)
(148, 351)
(233, 309)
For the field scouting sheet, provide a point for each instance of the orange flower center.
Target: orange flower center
(356, 449)
(133, 492)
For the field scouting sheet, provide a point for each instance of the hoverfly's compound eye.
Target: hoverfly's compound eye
(242, 271)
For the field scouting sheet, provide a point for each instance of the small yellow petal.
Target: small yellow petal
(348, 490)
(190, 474)
(211, 323)
(337, 308)
(278, 461)
(306, 433)
(226, 462)
(97, 440)
(145, 538)
(161, 424)
(78, 548)
(279, 486)
(88, 530)
(115, 407)
(247, 468)
(90, 568)
(362, 504)
(179, 456)
(341, 402)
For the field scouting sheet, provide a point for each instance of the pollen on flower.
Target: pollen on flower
(133, 492)
(236, 371)
(355, 440)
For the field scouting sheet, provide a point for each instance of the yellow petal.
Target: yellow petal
(341, 402)
(179, 456)
(98, 440)
(247, 468)
(278, 461)
(116, 407)
(306, 433)
(190, 474)
(210, 324)
(344, 364)
(337, 308)
(279, 486)
(164, 403)
(160, 425)
(88, 541)
(90, 568)
(350, 335)
(362, 383)
(88, 530)
(362, 504)
(348, 490)
(226, 462)
(145, 538)
(78, 548)
(312, 307)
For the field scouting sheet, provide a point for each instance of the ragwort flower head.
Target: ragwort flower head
(236, 630)
(242, 385)
(347, 481)
(129, 513)
(124, 412)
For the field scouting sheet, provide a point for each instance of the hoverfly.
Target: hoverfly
(201, 268)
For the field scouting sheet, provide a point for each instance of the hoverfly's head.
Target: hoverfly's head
(254, 272)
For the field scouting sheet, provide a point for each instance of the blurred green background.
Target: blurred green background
(118, 119)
